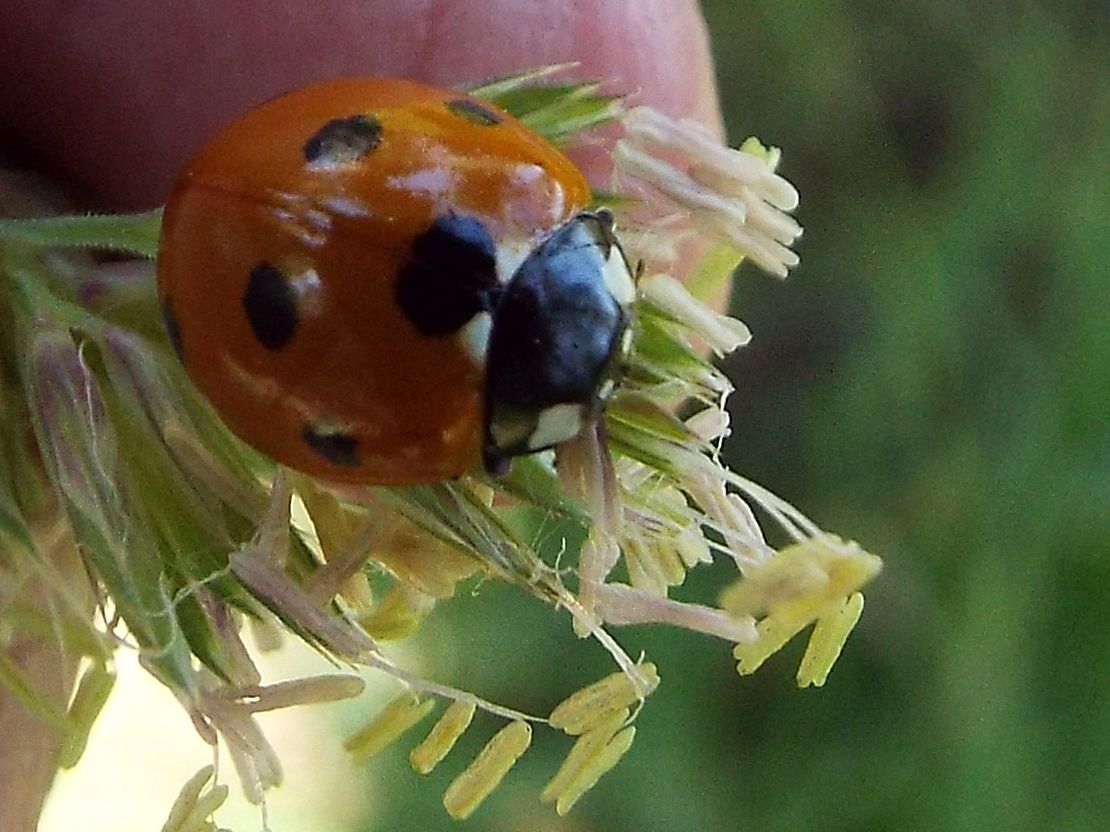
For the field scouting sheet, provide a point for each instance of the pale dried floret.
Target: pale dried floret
(208, 475)
(93, 688)
(401, 714)
(692, 547)
(272, 535)
(589, 706)
(721, 333)
(710, 424)
(802, 580)
(582, 752)
(346, 536)
(419, 560)
(621, 604)
(258, 571)
(311, 690)
(653, 568)
(443, 736)
(599, 554)
(816, 580)
(333, 521)
(731, 195)
(829, 635)
(595, 768)
(726, 513)
(772, 634)
(256, 763)
(192, 810)
(482, 776)
(221, 711)
(397, 614)
(342, 573)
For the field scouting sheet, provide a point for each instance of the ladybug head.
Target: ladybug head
(559, 337)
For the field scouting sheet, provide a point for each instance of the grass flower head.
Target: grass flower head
(189, 536)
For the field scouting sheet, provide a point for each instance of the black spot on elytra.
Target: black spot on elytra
(474, 112)
(173, 330)
(271, 306)
(343, 141)
(336, 446)
(450, 276)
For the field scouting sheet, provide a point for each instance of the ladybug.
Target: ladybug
(378, 281)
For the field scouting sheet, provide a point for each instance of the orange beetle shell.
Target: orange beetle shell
(318, 195)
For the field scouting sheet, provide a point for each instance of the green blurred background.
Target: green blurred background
(934, 380)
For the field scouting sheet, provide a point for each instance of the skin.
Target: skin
(113, 97)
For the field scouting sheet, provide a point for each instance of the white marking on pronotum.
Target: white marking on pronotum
(474, 336)
(556, 424)
(508, 258)
(617, 278)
